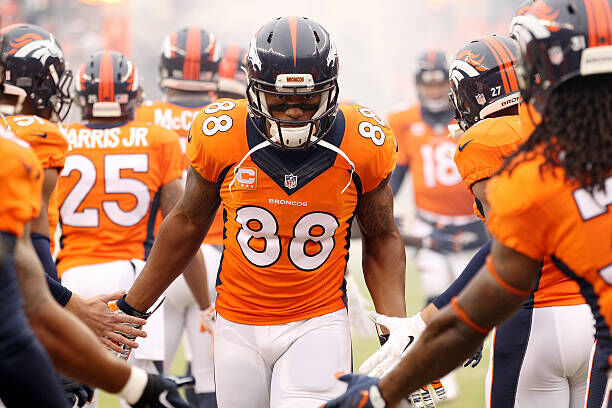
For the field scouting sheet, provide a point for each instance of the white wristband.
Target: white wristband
(419, 323)
(135, 385)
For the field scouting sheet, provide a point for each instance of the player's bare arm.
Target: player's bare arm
(41, 223)
(479, 190)
(70, 344)
(195, 273)
(448, 340)
(384, 259)
(179, 238)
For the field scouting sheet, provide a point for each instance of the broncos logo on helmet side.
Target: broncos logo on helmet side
(34, 46)
(474, 60)
(17, 43)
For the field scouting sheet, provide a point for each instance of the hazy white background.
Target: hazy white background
(378, 41)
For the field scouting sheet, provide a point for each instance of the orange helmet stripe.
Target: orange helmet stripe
(431, 56)
(231, 59)
(106, 87)
(193, 53)
(498, 57)
(591, 21)
(293, 30)
(512, 79)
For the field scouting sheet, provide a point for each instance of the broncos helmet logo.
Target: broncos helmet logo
(34, 46)
(474, 60)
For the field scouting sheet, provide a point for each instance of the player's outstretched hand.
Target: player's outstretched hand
(162, 392)
(362, 392)
(108, 325)
(403, 333)
(129, 322)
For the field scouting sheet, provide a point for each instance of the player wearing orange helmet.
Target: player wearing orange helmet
(443, 208)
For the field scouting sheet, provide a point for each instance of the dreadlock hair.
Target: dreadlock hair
(575, 133)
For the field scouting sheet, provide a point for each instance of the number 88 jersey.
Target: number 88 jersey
(109, 190)
(287, 215)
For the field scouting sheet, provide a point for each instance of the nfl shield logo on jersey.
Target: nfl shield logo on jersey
(290, 181)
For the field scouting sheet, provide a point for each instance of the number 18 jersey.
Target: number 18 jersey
(287, 220)
(109, 190)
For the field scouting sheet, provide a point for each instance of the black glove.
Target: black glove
(162, 392)
(77, 394)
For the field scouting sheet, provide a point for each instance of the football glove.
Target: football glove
(358, 307)
(162, 392)
(362, 392)
(121, 306)
(403, 332)
(77, 394)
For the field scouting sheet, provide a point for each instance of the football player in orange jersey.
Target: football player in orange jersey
(444, 228)
(118, 174)
(27, 377)
(552, 198)
(292, 170)
(189, 77)
(36, 69)
(443, 207)
(523, 364)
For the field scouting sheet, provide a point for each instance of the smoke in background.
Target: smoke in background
(378, 42)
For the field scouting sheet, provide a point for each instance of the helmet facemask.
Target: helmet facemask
(298, 134)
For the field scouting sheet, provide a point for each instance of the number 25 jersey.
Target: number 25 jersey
(109, 190)
(287, 222)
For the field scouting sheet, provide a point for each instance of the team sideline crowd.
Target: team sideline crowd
(221, 217)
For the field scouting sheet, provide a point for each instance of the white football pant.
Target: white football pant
(182, 313)
(288, 365)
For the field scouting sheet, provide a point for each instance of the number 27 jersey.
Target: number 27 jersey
(286, 223)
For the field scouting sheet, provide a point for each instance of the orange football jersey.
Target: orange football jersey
(543, 215)
(109, 190)
(287, 221)
(48, 141)
(178, 118)
(20, 184)
(480, 154)
(482, 149)
(429, 154)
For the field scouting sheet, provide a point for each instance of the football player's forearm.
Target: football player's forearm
(384, 270)
(40, 224)
(76, 352)
(74, 349)
(444, 345)
(174, 248)
(195, 276)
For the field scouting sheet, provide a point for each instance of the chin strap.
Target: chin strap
(341, 153)
(260, 146)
